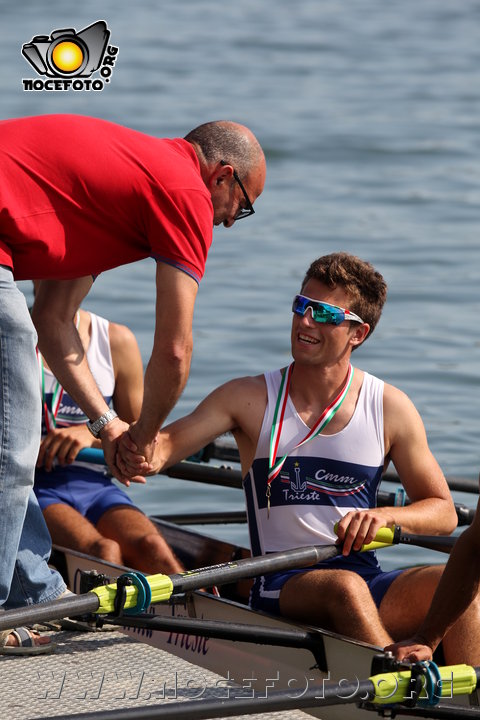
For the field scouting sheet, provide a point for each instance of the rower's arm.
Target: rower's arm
(128, 369)
(432, 510)
(53, 313)
(236, 406)
(459, 585)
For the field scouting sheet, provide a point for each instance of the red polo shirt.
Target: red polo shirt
(80, 195)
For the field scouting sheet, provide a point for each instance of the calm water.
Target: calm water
(369, 115)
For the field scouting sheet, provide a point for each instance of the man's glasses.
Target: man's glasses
(248, 210)
(323, 312)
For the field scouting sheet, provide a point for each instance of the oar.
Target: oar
(190, 469)
(386, 688)
(162, 587)
(185, 470)
(386, 537)
(228, 452)
(159, 588)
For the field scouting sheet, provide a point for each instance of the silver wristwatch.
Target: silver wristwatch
(97, 426)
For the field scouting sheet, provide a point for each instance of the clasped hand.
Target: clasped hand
(134, 456)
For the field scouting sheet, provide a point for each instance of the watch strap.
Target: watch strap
(97, 425)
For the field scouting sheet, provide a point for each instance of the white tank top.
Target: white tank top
(320, 481)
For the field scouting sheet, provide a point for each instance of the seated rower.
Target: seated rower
(314, 440)
(457, 591)
(82, 506)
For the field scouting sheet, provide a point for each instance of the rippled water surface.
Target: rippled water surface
(369, 116)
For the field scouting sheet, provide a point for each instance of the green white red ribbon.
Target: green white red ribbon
(274, 466)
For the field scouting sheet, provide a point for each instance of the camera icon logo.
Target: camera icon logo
(66, 53)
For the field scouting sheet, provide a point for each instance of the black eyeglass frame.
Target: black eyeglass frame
(241, 212)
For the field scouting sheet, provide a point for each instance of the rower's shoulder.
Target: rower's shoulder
(393, 394)
(397, 406)
(250, 386)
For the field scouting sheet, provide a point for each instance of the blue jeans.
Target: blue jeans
(25, 543)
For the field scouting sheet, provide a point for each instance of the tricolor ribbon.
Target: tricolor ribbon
(274, 466)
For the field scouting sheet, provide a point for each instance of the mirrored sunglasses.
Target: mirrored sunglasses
(323, 312)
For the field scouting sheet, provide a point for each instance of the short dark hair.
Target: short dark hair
(366, 288)
(224, 140)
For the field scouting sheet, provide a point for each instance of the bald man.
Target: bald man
(79, 196)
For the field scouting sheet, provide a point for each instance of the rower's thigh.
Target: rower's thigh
(68, 527)
(125, 524)
(320, 593)
(408, 599)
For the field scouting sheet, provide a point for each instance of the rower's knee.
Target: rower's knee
(348, 590)
(151, 553)
(151, 544)
(106, 549)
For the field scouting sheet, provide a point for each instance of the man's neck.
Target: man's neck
(314, 386)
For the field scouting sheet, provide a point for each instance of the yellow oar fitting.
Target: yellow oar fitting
(161, 588)
(394, 687)
(384, 538)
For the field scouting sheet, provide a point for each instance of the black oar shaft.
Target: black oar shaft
(321, 696)
(441, 543)
(163, 587)
(251, 567)
(53, 610)
(255, 634)
(222, 574)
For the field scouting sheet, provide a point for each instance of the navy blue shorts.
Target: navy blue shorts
(89, 492)
(266, 589)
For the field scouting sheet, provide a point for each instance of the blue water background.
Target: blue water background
(369, 113)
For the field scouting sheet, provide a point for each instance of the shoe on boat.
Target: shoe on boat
(26, 643)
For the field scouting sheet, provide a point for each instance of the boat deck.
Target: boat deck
(108, 671)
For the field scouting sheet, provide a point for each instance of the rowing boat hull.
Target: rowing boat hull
(262, 667)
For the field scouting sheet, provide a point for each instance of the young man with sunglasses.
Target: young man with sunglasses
(79, 196)
(314, 440)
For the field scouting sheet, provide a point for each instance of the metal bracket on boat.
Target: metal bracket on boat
(384, 662)
(90, 579)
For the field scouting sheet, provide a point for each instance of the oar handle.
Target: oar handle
(51, 610)
(91, 455)
(385, 537)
